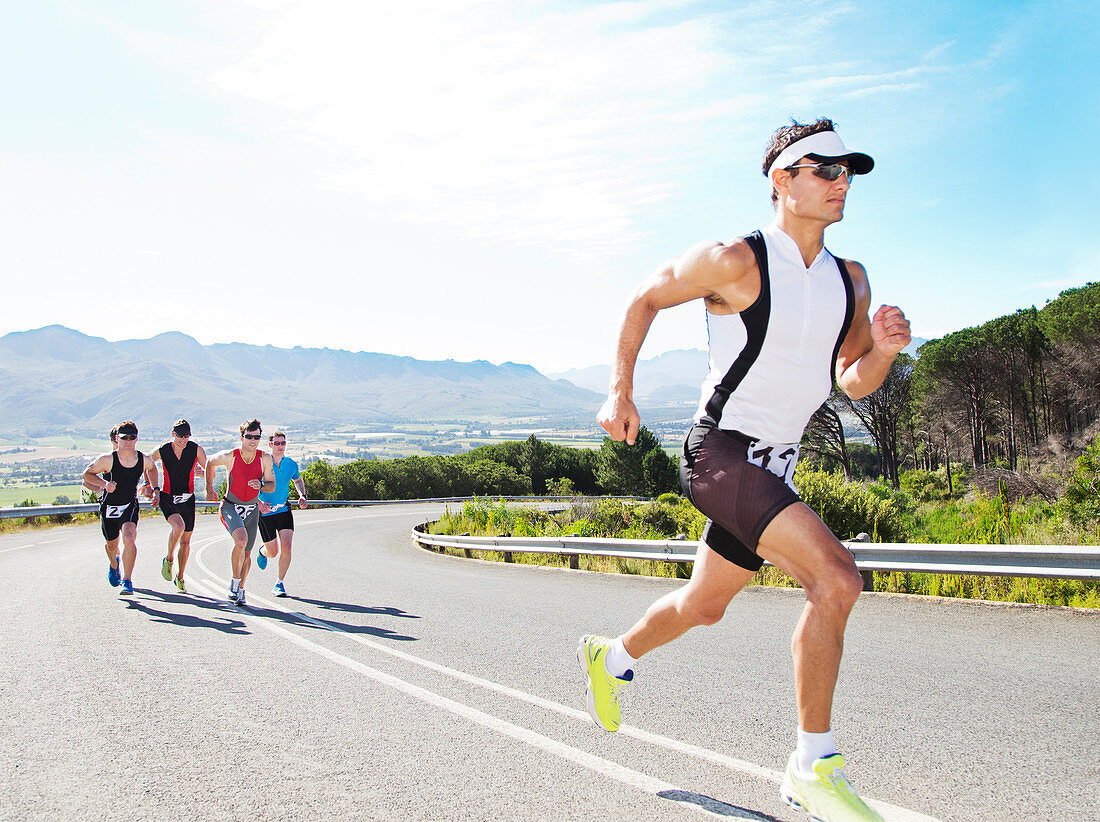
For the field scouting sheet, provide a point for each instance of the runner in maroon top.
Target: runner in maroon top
(181, 458)
(250, 471)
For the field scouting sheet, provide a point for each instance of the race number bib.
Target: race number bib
(244, 510)
(180, 498)
(779, 459)
(115, 511)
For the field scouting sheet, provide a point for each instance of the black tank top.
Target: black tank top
(179, 474)
(125, 480)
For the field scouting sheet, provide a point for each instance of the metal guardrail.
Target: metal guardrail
(1050, 561)
(31, 512)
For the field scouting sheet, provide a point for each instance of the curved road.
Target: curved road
(396, 684)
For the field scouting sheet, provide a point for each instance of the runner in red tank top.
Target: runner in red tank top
(250, 471)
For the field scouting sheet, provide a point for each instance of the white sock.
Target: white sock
(280, 582)
(811, 747)
(618, 661)
(235, 584)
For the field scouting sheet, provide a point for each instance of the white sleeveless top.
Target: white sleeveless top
(775, 359)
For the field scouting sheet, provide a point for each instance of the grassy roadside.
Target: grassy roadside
(671, 515)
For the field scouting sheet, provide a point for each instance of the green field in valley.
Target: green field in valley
(13, 495)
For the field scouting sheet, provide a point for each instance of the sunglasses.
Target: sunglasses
(828, 171)
(127, 436)
(252, 436)
(182, 436)
(279, 442)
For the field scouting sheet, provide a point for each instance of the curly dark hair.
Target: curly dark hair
(785, 136)
(251, 425)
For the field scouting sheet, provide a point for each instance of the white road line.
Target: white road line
(893, 813)
(29, 545)
(605, 767)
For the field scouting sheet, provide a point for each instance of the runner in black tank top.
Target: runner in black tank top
(111, 475)
(177, 497)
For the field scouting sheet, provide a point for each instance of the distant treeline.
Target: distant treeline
(984, 396)
(516, 468)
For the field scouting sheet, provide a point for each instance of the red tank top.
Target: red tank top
(241, 472)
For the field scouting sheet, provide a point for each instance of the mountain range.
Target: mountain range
(55, 379)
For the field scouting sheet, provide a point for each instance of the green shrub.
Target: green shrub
(850, 508)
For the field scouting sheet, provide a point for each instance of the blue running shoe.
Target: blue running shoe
(127, 589)
(261, 559)
(114, 576)
(279, 590)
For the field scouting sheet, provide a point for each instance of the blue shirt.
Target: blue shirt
(285, 471)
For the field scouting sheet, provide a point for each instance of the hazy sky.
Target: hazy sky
(489, 180)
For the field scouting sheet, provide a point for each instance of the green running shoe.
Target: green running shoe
(828, 796)
(166, 569)
(602, 694)
(180, 586)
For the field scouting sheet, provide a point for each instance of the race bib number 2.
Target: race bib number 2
(180, 498)
(115, 511)
(779, 459)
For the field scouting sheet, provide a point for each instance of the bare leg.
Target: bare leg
(185, 552)
(129, 549)
(702, 601)
(240, 556)
(286, 537)
(112, 551)
(799, 543)
(175, 522)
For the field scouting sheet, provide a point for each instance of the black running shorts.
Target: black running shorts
(112, 518)
(272, 524)
(182, 504)
(735, 480)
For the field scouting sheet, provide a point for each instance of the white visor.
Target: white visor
(825, 146)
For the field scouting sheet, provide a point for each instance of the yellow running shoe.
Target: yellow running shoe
(602, 694)
(180, 586)
(166, 569)
(828, 796)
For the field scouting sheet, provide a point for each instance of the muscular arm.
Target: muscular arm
(268, 464)
(211, 469)
(91, 478)
(871, 344)
(300, 484)
(720, 274)
(200, 460)
(152, 478)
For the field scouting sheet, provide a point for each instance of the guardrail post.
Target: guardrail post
(507, 556)
(868, 576)
(575, 562)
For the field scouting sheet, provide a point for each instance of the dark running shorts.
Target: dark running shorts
(272, 524)
(182, 504)
(244, 515)
(112, 518)
(731, 478)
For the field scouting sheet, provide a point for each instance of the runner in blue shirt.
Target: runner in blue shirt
(276, 520)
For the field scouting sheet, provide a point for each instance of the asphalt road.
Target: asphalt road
(396, 684)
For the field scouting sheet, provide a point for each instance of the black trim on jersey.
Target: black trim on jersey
(849, 313)
(125, 479)
(755, 318)
(178, 469)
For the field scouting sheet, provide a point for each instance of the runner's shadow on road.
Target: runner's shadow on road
(717, 807)
(292, 618)
(350, 608)
(224, 624)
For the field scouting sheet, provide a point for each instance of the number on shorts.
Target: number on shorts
(778, 459)
(180, 498)
(116, 511)
(244, 510)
